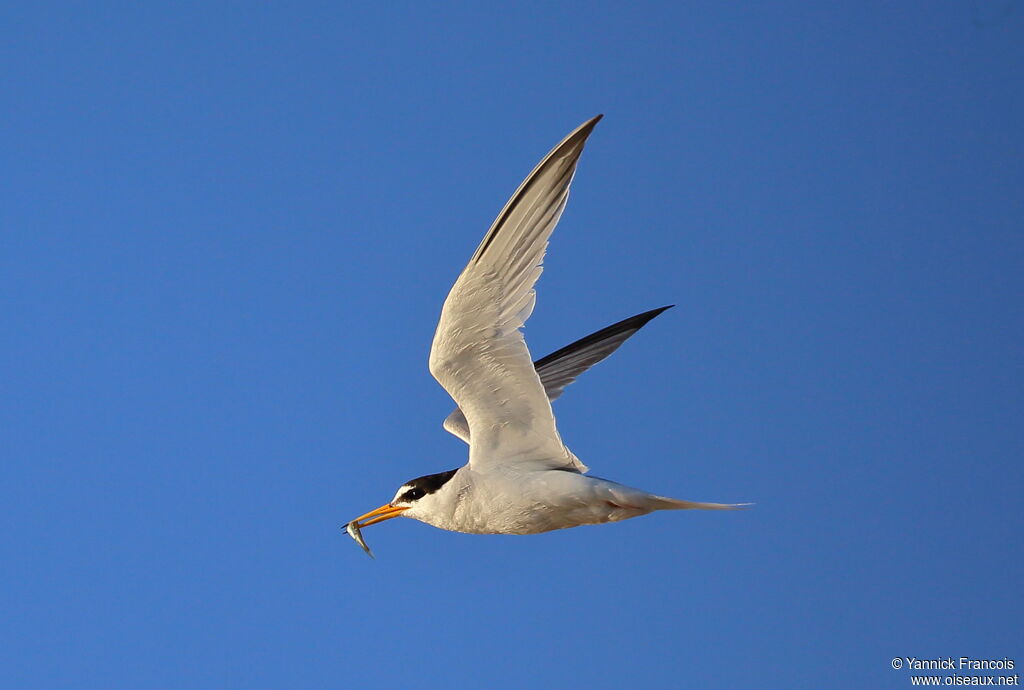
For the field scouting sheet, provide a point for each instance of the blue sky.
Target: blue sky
(226, 231)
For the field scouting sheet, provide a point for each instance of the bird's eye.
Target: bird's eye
(415, 494)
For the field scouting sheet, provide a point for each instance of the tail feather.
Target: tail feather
(676, 504)
(630, 499)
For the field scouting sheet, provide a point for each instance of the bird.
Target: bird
(520, 478)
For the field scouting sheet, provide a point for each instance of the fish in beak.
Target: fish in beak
(385, 512)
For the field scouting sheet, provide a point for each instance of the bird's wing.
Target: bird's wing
(560, 368)
(479, 355)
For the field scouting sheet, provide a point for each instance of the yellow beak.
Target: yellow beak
(385, 512)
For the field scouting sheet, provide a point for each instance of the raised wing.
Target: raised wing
(479, 355)
(560, 368)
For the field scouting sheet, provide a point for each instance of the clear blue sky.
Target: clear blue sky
(226, 231)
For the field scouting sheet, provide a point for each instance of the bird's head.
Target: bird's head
(417, 498)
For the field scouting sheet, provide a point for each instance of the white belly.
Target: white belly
(533, 502)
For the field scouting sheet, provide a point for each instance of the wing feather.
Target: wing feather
(562, 367)
(479, 355)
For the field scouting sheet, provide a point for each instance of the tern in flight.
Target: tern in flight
(520, 478)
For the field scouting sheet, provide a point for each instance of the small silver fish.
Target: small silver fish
(353, 531)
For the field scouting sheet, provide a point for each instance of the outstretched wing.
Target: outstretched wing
(560, 368)
(479, 355)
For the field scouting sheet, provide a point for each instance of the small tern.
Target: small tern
(520, 478)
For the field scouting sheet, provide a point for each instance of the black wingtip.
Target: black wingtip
(639, 321)
(565, 153)
(642, 319)
(581, 133)
(633, 323)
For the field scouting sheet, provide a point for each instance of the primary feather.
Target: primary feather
(479, 355)
(562, 367)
